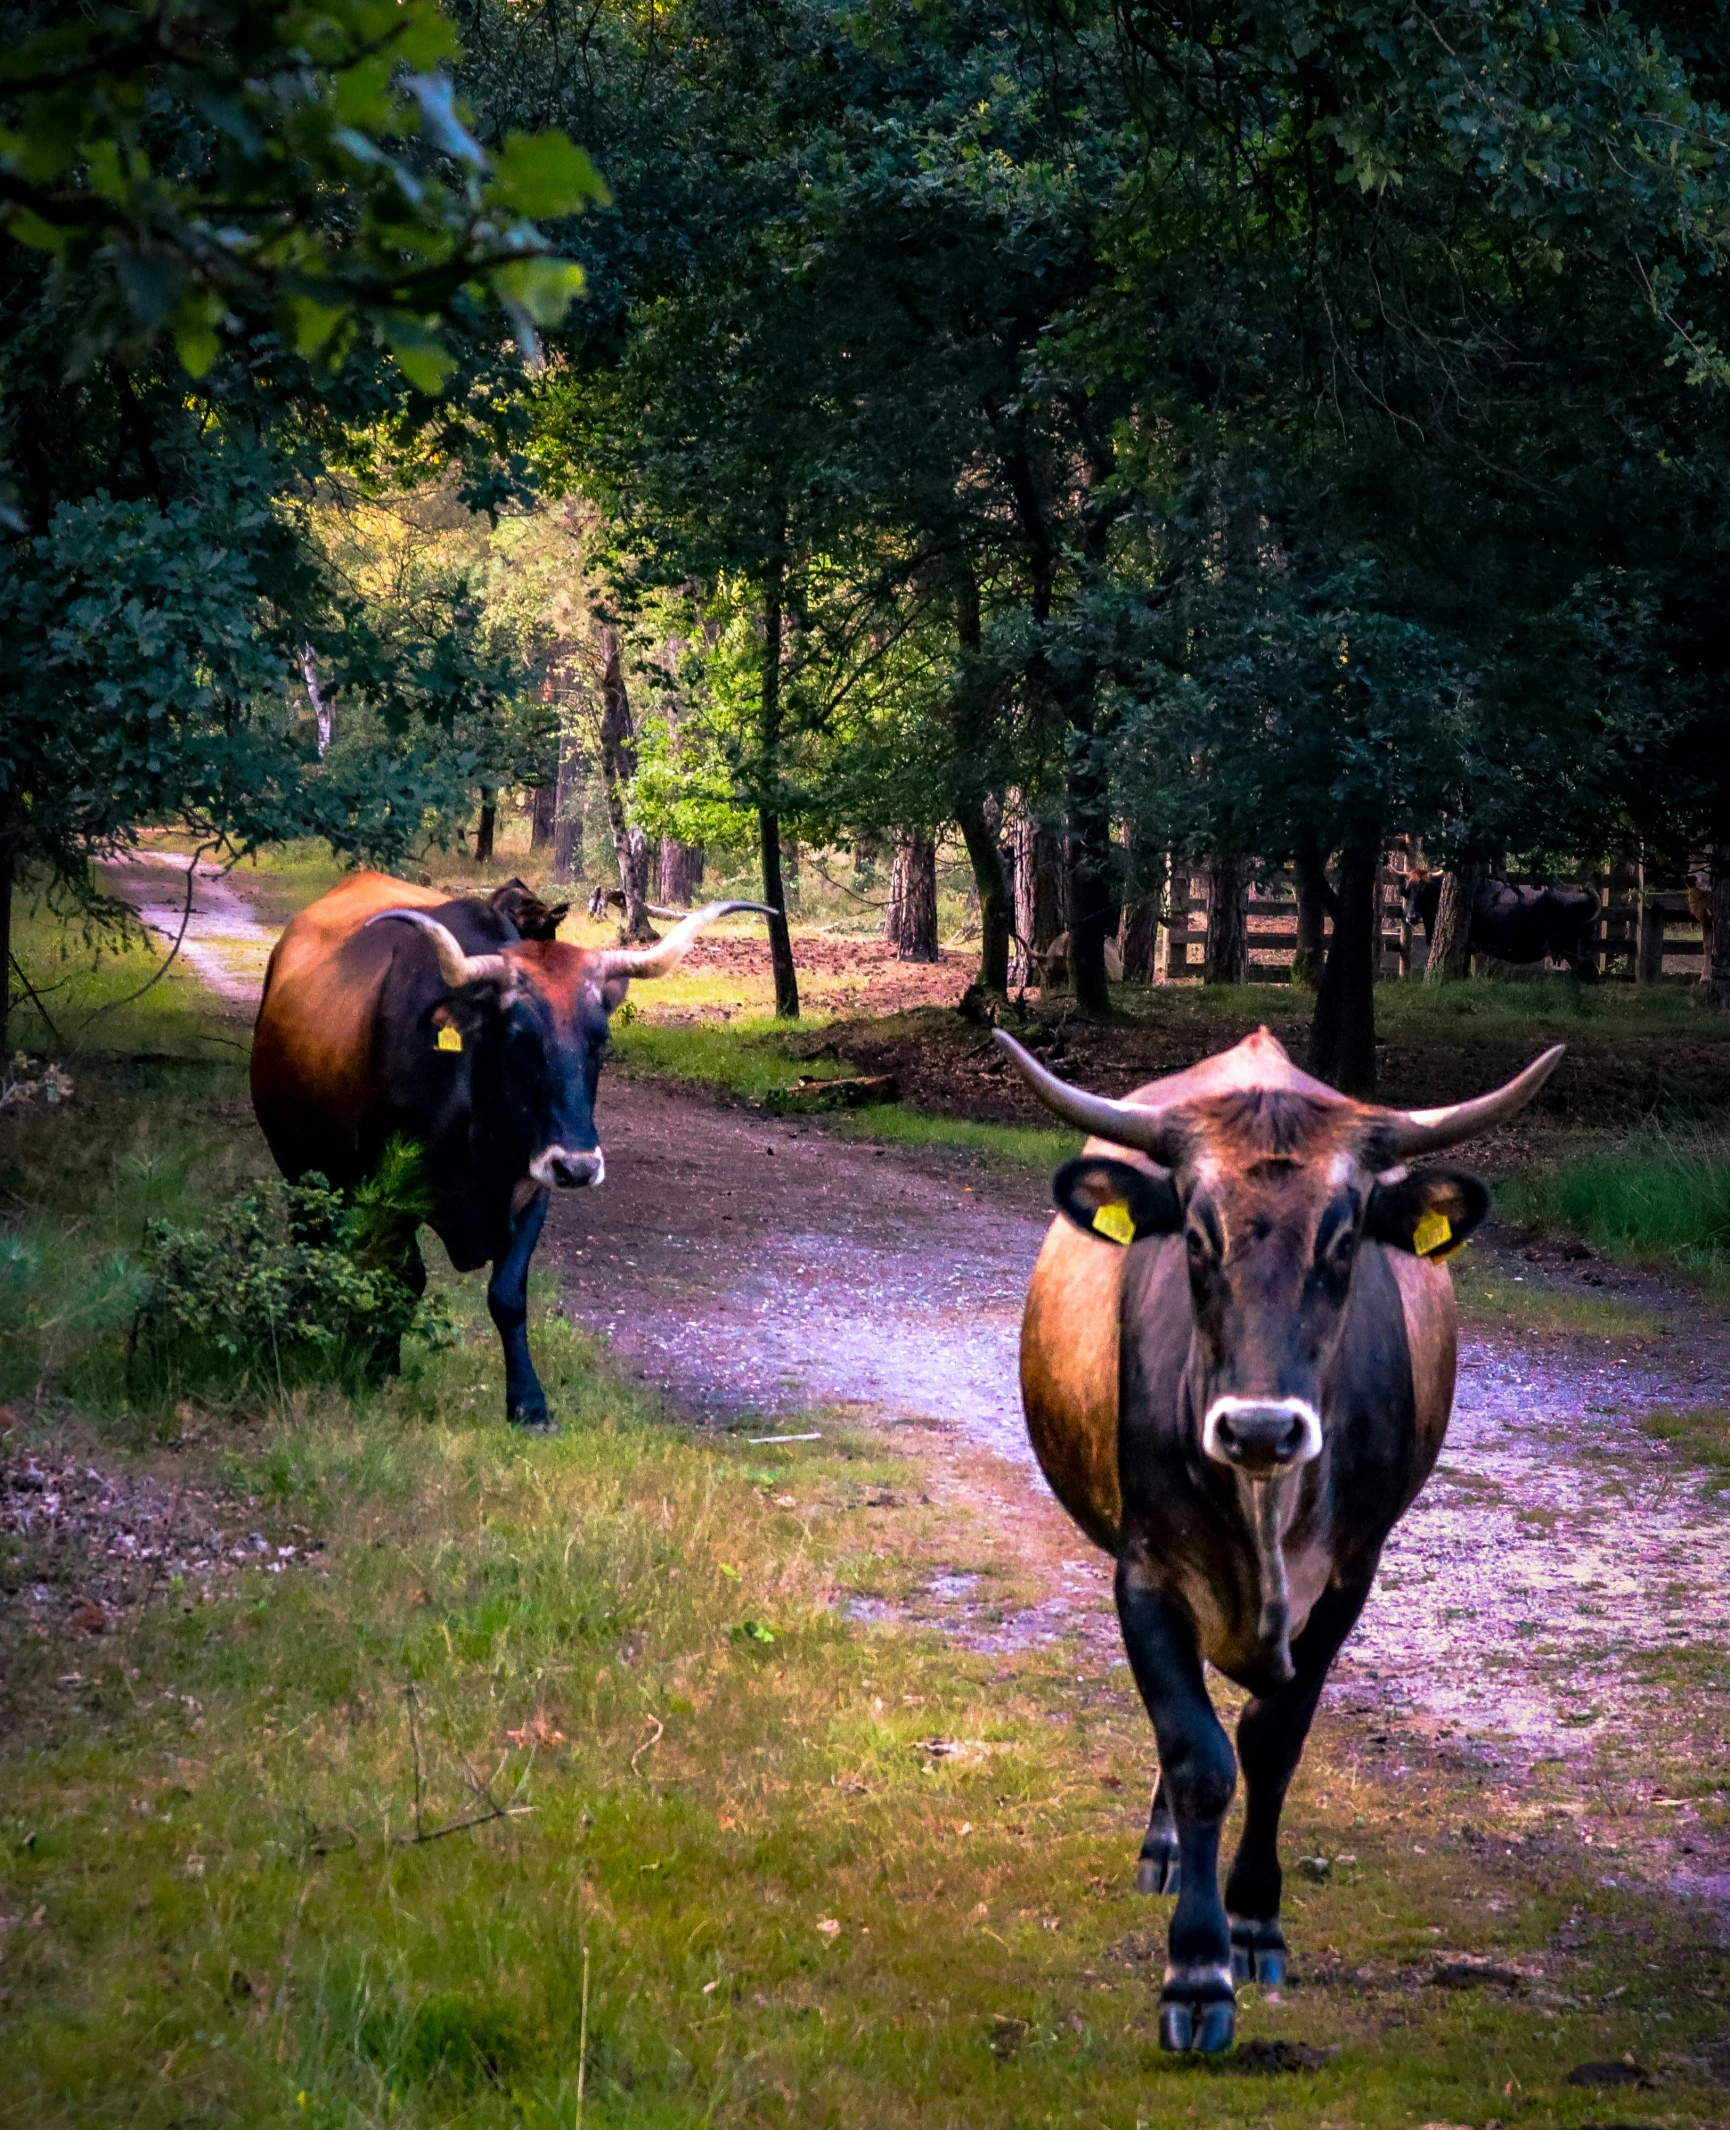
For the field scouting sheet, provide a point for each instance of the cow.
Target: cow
(1517, 923)
(393, 1011)
(1237, 1365)
(1053, 963)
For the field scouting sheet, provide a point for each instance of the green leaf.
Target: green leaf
(197, 345)
(545, 174)
(312, 323)
(30, 229)
(420, 354)
(544, 288)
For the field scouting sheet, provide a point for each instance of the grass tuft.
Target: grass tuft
(1645, 1203)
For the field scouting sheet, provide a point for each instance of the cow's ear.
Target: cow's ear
(1115, 1201)
(1430, 1213)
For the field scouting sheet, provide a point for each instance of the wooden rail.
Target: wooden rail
(1641, 932)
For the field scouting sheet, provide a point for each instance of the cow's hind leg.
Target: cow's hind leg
(1197, 2005)
(508, 1304)
(1270, 1742)
(1159, 1870)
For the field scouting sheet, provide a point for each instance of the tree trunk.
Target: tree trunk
(1315, 903)
(1092, 883)
(488, 822)
(1342, 1047)
(1451, 934)
(1143, 909)
(768, 818)
(996, 904)
(618, 766)
(1718, 967)
(543, 816)
(911, 926)
(1227, 960)
(681, 872)
(568, 812)
(320, 708)
(1041, 894)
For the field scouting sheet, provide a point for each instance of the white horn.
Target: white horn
(1427, 1131)
(456, 967)
(1153, 1132)
(666, 955)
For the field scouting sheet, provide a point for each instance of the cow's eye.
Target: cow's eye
(1342, 1246)
(1198, 1250)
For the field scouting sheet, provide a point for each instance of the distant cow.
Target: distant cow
(1053, 963)
(395, 1011)
(1237, 1364)
(1517, 923)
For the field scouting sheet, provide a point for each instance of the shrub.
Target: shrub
(293, 1280)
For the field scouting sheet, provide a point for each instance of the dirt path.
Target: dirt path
(225, 945)
(1540, 1611)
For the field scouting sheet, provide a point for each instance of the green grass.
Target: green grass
(1662, 1201)
(1700, 1437)
(755, 1059)
(1015, 1145)
(1493, 1295)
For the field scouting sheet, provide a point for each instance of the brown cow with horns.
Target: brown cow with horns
(464, 1026)
(1237, 1364)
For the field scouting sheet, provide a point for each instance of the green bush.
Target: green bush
(292, 1281)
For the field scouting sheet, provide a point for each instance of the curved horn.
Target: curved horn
(456, 967)
(1427, 1131)
(1147, 1131)
(662, 959)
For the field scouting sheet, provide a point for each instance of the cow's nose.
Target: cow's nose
(559, 1165)
(1262, 1434)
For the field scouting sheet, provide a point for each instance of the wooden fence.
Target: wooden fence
(1641, 932)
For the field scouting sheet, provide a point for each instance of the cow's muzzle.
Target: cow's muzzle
(559, 1165)
(1261, 1435)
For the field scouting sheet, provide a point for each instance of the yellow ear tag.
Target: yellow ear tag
(1431, 1234)
(450, 1038)
(1115, 1222)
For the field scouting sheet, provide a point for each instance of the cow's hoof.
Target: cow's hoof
(1158, 1871)
(1197, 2010)
(1258, 1953)
(1204, 2029)
(541, 1423)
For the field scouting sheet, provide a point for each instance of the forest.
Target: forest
(1244, 436)
(1075, 536)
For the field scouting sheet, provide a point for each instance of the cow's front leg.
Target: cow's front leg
(1197, 2005)
(1159, 1870)
(508, 1304)
(1270, 1743)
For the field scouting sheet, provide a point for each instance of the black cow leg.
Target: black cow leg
(1159, 1870)
(1197, 2005)
(508, 1303)
(1270, 1742)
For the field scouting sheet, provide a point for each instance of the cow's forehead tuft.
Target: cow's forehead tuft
(1254, 1125)
(559, 972)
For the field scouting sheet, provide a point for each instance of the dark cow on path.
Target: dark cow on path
(1517, 923)
(396, 1011)
(1237, 1364)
